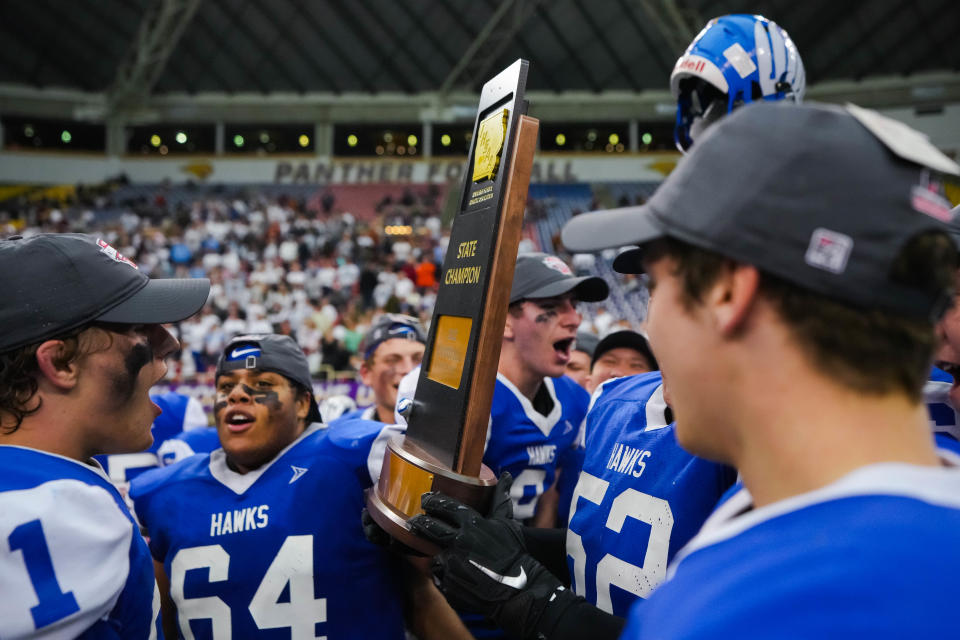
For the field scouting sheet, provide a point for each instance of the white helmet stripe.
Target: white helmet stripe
(764, 58)
(799, 83)
(779, 48)
(791, 62)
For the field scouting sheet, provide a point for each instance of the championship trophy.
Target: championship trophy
(447, 422)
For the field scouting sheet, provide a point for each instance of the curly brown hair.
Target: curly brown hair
(18, 380)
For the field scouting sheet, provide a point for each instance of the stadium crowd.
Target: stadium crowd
(277, 264)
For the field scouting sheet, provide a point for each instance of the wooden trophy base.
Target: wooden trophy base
(409, 472)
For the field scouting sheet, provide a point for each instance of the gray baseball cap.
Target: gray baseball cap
(53, 283)
(270, 352)
(539, 275)
(586, 342)
(821, 196)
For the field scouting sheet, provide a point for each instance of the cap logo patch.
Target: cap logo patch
(246, 352)
(113, 253)
(557, 264)
(927, 198)
(829, 250)
(402, 331)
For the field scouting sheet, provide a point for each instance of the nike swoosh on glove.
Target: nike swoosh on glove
(484, 567)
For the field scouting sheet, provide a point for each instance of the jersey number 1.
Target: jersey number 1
(53, 604)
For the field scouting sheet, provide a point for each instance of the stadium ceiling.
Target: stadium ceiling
(368, 60)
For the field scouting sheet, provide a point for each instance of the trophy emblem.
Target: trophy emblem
(490, 136)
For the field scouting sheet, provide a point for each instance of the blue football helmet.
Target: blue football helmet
(735, 60)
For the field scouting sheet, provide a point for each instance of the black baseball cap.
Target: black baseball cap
(53, 283)
(625, 338)
(539, 275)
(824, 197)
(586, 342)
(389, 326)
(270, 352)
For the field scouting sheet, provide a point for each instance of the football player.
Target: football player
(264, 533)
(81, 343)
(537, 411)
(391, 348)
(621, 353)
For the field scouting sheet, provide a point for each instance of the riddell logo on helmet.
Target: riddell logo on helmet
(113, 253)
(557, 264)
(693, 64)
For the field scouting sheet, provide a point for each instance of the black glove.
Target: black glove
(375, 534)
(484, 566)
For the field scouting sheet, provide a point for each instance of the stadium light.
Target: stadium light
(65, 136)
(155, 140)
(238, 140)
(181, 137)
(352, 140)
(445, 140)
(304, 140)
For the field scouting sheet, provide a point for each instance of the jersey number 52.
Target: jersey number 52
(611, 570)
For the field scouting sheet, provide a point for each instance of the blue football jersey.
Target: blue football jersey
(946, 441)
(530, 445)
(365, 413)
(186, 444)
(181, 414)
(278, 552)
(639, 497)
(936, 394)
(873, 555)
(72, 561)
